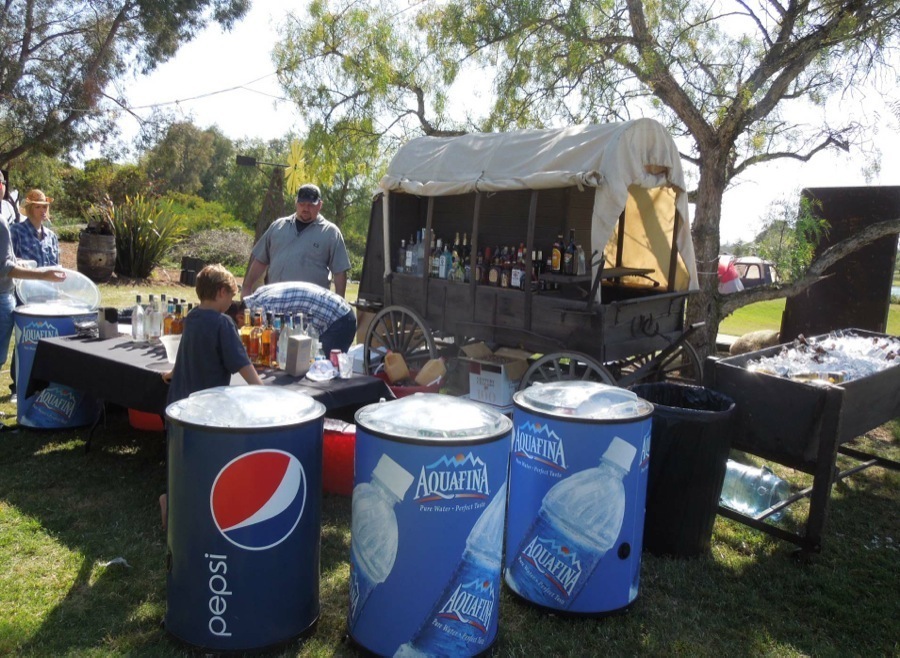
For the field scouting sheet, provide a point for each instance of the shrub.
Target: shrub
(146, 231)
(200, 215)
(230, 247)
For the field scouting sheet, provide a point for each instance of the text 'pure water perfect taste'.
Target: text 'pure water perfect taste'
(579, 521)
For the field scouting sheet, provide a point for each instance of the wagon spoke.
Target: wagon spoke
(399, 330)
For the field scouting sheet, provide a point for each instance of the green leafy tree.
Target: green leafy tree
(189, 160)
(59, 60)
(722, 76)
(243, 189)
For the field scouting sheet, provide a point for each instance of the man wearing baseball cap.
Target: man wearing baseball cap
(301, 247)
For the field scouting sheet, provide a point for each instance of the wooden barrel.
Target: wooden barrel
(97, 256)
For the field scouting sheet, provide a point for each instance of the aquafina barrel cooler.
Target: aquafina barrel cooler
(577, 493)
(50, 310)
(244, 517)
(428, 509)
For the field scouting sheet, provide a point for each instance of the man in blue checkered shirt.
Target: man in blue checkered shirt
(31, 240)
(328, 312)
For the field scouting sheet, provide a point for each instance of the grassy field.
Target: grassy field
(767, 315)
(67, 514)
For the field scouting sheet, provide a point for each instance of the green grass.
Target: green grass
(65, 513)
(767, 315)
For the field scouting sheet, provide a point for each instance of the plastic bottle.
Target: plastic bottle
(374, 535)
(471, 598)
(579, 521)
(137, 321)
(751, 490)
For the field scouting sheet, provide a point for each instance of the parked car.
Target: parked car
(755, 271)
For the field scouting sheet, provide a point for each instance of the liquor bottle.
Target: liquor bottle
(265, 342)
(569, 255)
(494, 272)
(472, 595)
(505, 268)
(466, 259)
(420, 255)
(178, 320)
(152, 321)
(401, 257)
(374, 532)
(246, 328)
(255, 338)
(283, 336)
(273, 340)
(411, 255)
(579, 521)
(298, 327)
(580, 262)
(315, 351)
(517, 274)
(137, 321)
(168, 317)
(446, 263)
(536, 270)
(479, 267)
(436, 259)
(556, 258)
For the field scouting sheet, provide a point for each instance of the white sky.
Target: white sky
(240, 61)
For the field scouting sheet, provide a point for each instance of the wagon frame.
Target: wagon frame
(621, 194)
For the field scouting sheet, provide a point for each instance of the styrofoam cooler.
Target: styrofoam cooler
(428, 509)
(244, 517)
(577, 493)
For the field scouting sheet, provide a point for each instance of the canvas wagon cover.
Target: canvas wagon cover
(608, 157)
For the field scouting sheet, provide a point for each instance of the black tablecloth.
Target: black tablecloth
(115, 370)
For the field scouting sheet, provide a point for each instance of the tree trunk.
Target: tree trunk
(703, 306)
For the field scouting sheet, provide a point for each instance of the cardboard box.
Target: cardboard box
(494, 375)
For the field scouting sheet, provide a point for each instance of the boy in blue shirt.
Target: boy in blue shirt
(210, 350)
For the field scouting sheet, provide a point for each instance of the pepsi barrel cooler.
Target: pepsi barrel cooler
(244, 517)
(577, 493)
(428, 509)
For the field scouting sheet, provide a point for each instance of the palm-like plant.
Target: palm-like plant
(146, 229)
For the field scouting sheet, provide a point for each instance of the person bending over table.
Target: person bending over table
(328, 312)
(301, 247)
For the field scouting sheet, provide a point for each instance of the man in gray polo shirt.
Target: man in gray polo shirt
(301, 247)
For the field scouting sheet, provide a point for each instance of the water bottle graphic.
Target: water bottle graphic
(374, 534)
(461, 621)
(579, 521)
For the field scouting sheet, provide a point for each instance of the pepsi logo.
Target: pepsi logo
(257, 499)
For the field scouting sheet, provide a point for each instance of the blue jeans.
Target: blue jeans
(339, 336)
(7, 322)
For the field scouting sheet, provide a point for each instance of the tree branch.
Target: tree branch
(728, 304)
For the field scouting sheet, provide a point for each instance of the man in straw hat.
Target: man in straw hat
(31, 239)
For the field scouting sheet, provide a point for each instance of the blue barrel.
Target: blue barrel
(429, 504)
(577, 491)
(56, 406)
(244, 517)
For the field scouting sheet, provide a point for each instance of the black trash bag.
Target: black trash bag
(689, 446)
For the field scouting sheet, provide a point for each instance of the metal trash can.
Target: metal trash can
(49, 310)
(244, 517)
(577, 484)
(689, 450)
(429, 503)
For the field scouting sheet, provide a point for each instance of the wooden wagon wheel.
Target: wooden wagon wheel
(679, 364)
(565, 366)
(401, 330)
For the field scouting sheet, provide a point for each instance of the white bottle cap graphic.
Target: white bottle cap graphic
(394, 476)
(621, 453)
